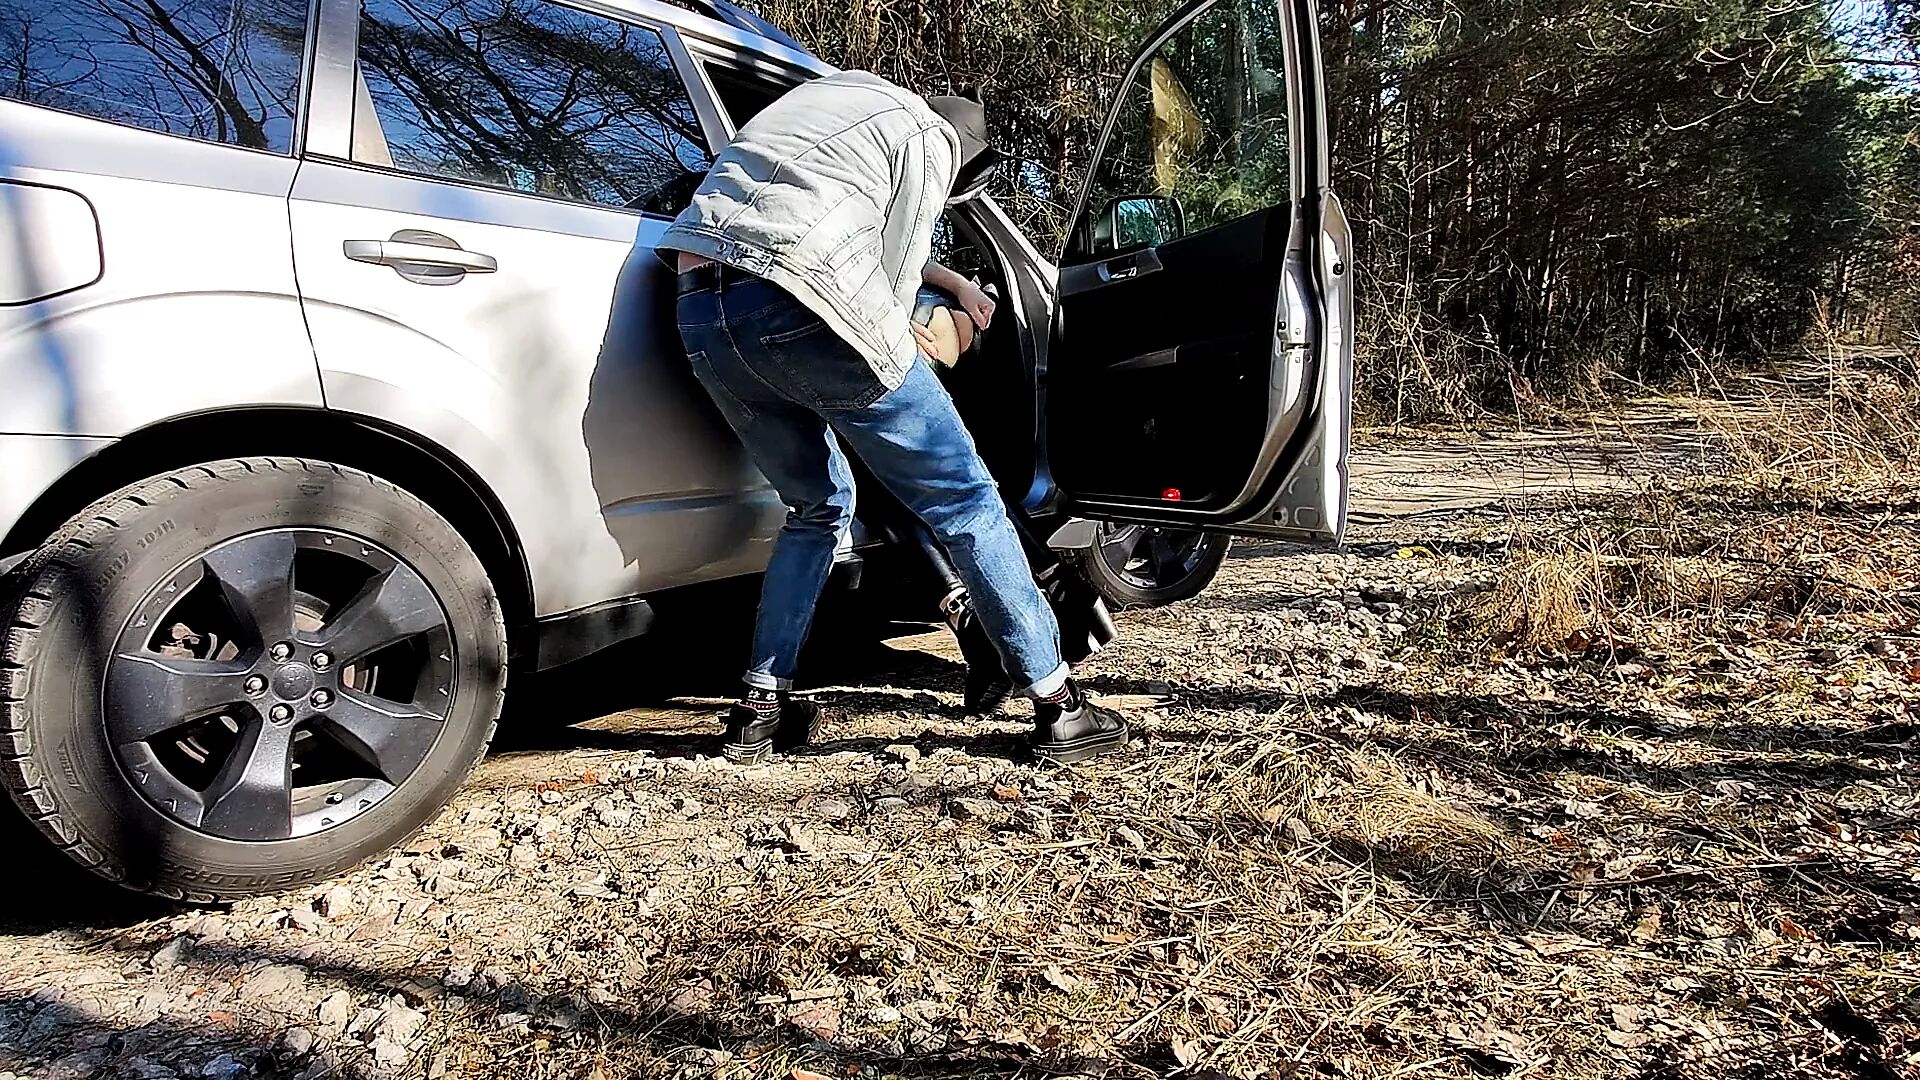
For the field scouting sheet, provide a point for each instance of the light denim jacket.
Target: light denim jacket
(831, 193)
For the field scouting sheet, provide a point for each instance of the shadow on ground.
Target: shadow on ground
(654, 1031)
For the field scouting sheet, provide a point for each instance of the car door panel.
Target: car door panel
(555, 371)
(1123, 370)
(553, 377)
(1201, 378)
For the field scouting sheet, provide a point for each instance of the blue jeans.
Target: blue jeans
(789, 385)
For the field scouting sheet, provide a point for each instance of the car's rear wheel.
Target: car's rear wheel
(1138, 566)
(245, 676)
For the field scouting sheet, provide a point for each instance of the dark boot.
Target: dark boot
(988, 687)
(1069, 728)
(1086, 626)
(767, 720)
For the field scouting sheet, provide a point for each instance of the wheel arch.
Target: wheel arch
(421, 466)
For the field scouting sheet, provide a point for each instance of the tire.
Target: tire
(1139, 566)
(160, 602)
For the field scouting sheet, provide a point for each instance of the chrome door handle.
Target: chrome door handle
(399, 253)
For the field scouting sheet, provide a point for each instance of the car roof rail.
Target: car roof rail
(740, 18)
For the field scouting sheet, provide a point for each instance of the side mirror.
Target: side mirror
(1139, 221)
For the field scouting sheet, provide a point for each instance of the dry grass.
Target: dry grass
(1545, 596)
(1373, 803)
(1716, 572)
(1815, 464)
(1854, 440)
(1832, 422)
(1228, 915)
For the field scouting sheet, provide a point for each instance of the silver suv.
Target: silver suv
(340, 380)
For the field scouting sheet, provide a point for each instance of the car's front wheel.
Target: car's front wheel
(1140, 566)
(245, 676)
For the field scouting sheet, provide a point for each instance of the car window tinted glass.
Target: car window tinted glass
(530, 96)
(743, 94)
(1201, 136)
(227, 71)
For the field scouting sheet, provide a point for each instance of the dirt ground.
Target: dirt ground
(1367, 832)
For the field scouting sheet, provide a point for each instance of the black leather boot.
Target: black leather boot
(1069, 728)
(1086, 626)
(988, 687)
(763, 721)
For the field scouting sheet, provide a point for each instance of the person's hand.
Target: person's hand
(977, 304)
(929, 345)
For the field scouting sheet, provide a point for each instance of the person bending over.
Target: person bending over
(799, 259)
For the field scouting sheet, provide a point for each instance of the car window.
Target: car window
(956, 252)
(744, 93)
(227, 71)
(530, 96)
(1201, 135)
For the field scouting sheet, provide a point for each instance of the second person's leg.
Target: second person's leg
(916, 444)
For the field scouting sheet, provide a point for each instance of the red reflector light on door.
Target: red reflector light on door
(1171, 495)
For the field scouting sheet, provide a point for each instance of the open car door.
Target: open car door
(1200, 369)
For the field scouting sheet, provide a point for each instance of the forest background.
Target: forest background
(1553, 200)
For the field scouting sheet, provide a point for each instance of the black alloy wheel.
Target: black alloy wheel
(243, 677)
(282, 683)
(1137, 566)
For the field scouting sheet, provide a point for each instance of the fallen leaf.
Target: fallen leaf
(821, 1019)
(1580, 808)
(1060, 980)
(1413, 550)
(590, 777)
(1502, 1046)
(1648, 927)
(1793, 930)
(1184, 1052)
(1627, 1040)
(1272, 814)
(1627, 1017)
(692, 997)
(802, 1074)
(220, 1016)
(1006, 793)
